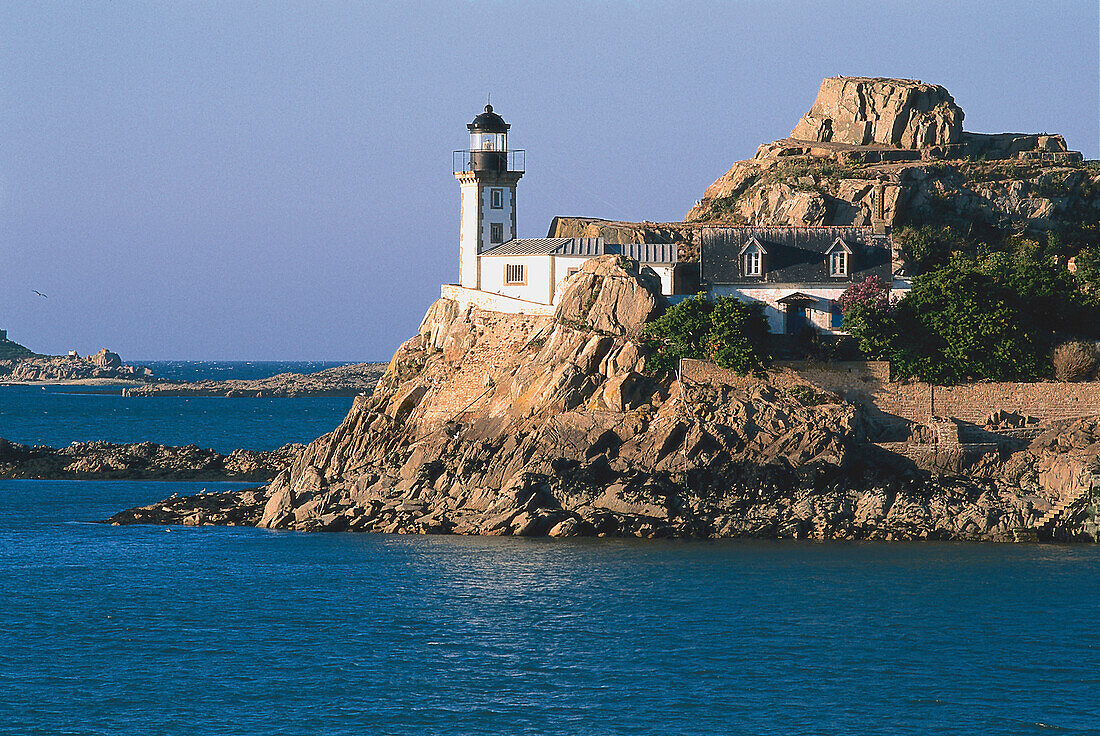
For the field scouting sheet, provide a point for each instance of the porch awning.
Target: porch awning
(798, 298)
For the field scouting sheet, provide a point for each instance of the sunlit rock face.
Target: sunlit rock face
(864, 111)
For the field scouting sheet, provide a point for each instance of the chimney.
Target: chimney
(878, 202)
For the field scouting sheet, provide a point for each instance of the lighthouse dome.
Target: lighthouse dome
(488, 122)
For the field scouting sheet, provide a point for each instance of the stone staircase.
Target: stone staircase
(1044, 528)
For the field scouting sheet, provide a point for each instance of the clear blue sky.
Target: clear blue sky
(242, 180)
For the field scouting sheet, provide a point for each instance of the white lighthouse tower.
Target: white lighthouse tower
(487, 175)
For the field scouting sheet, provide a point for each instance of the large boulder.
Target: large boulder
(106, 359)
(904, 113)
(612, 295)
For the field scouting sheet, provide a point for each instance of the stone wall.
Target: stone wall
(895, 403)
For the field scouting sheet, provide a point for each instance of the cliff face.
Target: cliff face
(500, 424)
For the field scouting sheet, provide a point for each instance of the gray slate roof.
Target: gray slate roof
(795, 255)
(587, 248)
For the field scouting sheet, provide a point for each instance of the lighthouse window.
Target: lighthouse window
(515, 274)
(496, 198)
(496, 232)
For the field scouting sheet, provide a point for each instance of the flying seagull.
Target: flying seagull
(36, 291)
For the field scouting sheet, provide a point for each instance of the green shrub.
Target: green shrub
(728, 331)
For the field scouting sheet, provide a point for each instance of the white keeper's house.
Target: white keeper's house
(798, 273)
(528, 271)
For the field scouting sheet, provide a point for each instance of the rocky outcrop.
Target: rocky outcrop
(103, 366)
(901, 134)
(610, 296)
(106, 359)
(907, 136)
(486, 423)
(343, 380)
(903, 113)
(226, 508)
(140, 461)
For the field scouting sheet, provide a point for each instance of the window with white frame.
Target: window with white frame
(838, 263)
(496, 232)
(496, 199)
(754, 263)
(515, 273)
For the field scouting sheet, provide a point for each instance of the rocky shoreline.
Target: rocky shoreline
(344, 380)
(104, 367)
(497, 424)
(141, 461)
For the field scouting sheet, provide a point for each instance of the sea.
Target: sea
(179, 630)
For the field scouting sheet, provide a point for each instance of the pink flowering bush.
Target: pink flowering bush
(872, 293)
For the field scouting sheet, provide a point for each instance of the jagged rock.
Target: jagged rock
(907, 136)
(892, 112)
(610, 295)
(106, 359)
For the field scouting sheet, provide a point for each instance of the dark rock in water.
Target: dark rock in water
(140, 461)
(230, 508)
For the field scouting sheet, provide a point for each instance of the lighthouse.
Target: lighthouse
(487, 175)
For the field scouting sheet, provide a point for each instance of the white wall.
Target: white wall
(664, 270)
(818, 314)
(540, 277)
(468, 237)
(502, 215)
(493, 302)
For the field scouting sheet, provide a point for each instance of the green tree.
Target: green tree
(1050, 299)
(957, 324)
(929, 247)
(728, 331)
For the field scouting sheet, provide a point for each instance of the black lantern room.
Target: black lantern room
(489, 142)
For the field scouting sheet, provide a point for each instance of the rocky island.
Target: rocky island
(341, 380)
(505, 424)
(25, 367)
(497, 423)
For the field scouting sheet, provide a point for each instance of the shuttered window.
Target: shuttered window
(515, 274)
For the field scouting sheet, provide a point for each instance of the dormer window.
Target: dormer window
(839, 258)
(753, 264)
(838, 264)
(752, 258)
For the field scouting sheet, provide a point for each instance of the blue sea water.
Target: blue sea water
(151, 630)
(222, 370)
(60, 415)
